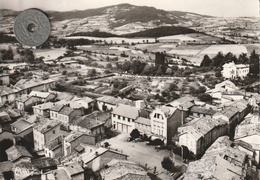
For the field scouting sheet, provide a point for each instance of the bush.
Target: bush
(135, 134)
(167, 164)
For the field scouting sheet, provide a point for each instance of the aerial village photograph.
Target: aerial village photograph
(130, 90)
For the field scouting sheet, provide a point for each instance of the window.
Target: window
(118, 116)
(114, 115)
(123, 118)
(53, 131)
(129, 119)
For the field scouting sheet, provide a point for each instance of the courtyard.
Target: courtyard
(143, 154)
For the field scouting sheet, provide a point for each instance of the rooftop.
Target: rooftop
(184, 103)
(66, 110)
(212, 167)
(23, 98)
(86, 122)
(142, 120)
(40, 94)
(201, 126)
(126, 111)
(96, 153)
(44, 106)
(26, 83)
(73, 169)
(45, 125)
(15, 152)
(118, 169)
(201, 110)
(57, 108)
(21, 125)
(114, 101)
(229, 112)
(45, 162)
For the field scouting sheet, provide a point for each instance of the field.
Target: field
(177, 37)
(49, 54)
(214, 49)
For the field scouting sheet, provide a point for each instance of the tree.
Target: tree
(135, 134)
(206, 61)
(92, 72)
(107, 71)
(167, 164)
(218, 74)
(109, 66)
(201, 89)
(173, 87)
(205, 97)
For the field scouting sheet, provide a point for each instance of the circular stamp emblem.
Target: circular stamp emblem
(32, 27)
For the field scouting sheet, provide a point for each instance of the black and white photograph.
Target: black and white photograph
(129, 90)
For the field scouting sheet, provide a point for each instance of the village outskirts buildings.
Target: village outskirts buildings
(232, 70)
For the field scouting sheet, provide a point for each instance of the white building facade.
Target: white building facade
(232, 70)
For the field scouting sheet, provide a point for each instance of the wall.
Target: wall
(122, 124)
(101, 104)
(174, 122)
(5, 80)
(143, 128)
(78, 176)
(103, 159)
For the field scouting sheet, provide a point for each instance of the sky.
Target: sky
(220, 8)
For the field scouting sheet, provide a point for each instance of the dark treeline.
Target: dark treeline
(155, 32)
(7, 39)
(220, 59)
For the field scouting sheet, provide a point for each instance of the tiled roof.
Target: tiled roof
(40, 94)
(66, 111)
(14, 113)
(201, 110)
(44, 106)
(119, 169)
(73, 169)
(15, 152)
(45, 162)
(57, 108)
(114, 101)
(45, 125)
(21, 125)
(72, 136)
(229, 112)
(23, 98)
(201, 126)
(212, 167)
(168, 111)
(86, 122)
(25, 83)
(144, 121)
(183, 103)
(126, 111)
